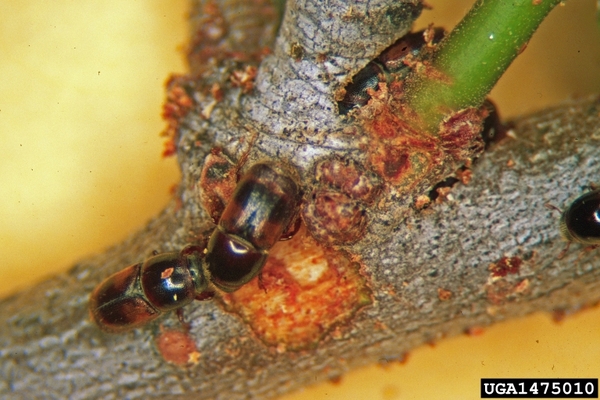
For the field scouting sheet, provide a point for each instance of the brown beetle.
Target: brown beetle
(264, 205)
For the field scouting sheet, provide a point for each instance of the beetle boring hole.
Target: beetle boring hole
(447, 183)
(392, 65)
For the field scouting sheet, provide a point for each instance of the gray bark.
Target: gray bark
(50, 349)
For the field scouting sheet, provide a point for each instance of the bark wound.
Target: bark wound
(406, 157)
(306, 292)
(336, 210)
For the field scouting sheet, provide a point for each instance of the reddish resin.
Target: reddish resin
(177, 347)
(506, 266)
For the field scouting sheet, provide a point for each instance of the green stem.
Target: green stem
(474, 56)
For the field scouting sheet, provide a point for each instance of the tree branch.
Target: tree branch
(428, 270)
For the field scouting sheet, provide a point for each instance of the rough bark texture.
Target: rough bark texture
(429, 270)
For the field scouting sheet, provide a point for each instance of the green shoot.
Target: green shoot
(473, 57)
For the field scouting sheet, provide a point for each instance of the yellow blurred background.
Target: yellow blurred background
(81, 89)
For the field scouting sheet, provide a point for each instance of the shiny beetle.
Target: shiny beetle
(142, 292)
(262, 208)
(390, 65)
(580, 222)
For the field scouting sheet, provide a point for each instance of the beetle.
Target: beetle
(580, 222)
(391, 64)
(140, 293)
(262, 209)
(263, 206)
